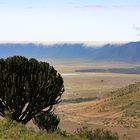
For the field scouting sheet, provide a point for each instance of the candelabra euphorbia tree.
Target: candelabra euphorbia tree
(28, 88)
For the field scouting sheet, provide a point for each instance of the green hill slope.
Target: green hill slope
(126, 103)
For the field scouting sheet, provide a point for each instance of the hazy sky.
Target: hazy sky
(69, 20)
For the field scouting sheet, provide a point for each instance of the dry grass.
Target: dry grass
(120, 115)
(118, 112)
(95, 85)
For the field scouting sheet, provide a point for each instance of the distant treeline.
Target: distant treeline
(79, 100)
(135, 70)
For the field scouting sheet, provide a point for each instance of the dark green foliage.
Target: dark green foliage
(27, 87)
(47, 121)
(79, 100)
(97, 134)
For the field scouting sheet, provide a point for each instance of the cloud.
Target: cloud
(2, 3)
(100, 7)
(91, 7)
(32, 7)
(126, 6)
(29, 7)
(136, 28)
(95, 6)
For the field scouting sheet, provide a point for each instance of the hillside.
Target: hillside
(128, 52)
(46, 51)
(126, 101)
(119, 112)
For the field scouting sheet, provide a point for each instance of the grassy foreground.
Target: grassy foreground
(10, 130)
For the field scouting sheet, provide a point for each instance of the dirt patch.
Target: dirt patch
(74, 116)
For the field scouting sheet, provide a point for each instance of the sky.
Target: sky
(69, 20)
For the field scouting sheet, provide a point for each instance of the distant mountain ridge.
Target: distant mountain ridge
(129, 52)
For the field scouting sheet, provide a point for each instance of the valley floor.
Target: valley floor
(75, 116)
(117, 107)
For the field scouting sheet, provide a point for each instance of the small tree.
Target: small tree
(28, 88)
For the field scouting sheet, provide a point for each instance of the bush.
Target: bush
(97, 134)
(48, 121)
(27, 87)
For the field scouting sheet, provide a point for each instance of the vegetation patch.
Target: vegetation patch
(79, 100)
(97, 134)
(135, 70)
(11, 130)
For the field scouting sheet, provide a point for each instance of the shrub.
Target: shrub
(97, 134)
(48, 121)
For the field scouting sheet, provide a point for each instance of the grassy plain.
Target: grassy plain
(102, 113)
(78, 84)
